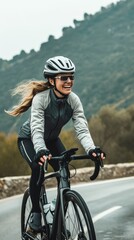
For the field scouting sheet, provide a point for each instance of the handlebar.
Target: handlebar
(69, 155)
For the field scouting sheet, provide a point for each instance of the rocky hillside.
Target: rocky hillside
(101, 46)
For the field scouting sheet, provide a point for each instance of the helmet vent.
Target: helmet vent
(55, 64)
(51, 67)
(70, 62)
(61, 63)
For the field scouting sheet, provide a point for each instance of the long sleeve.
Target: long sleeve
(37, 123)
(81, 126)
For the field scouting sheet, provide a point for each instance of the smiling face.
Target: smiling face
(63, 83)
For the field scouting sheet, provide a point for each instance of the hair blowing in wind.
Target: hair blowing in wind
(26, 91)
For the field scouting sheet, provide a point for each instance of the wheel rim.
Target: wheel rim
(76, 223)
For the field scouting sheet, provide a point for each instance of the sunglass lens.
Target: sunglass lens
(64, 78)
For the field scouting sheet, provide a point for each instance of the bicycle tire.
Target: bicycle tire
(77, 220)
(26, 198)
(25, 218)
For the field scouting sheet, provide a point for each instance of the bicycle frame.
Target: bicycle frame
(63, 187)
(63, 176)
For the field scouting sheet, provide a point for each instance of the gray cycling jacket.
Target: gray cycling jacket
(49, 114)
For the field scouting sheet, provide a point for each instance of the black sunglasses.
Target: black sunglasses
(64, 78)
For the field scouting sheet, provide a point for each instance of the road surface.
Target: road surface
(111, 203)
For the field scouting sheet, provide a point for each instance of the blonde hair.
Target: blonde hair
(27, 91)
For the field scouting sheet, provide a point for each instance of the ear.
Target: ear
(51, 81)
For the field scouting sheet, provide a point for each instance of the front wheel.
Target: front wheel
(77, 222)
(26, 232)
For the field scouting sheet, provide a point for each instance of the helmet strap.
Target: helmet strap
(64, 95)
(55, 88)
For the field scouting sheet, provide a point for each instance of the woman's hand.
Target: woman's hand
(42, 156)
(96, 152)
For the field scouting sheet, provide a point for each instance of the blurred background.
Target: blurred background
(98, 37)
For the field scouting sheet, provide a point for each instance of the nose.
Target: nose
(68, 79)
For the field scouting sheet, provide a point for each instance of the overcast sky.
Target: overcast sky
(26, 24)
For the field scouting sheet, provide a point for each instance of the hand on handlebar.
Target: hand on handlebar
(42, 156)
(96, 153)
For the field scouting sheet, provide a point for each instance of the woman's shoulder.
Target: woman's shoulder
(74, 99)
(42, 94)
(42, 97)
(73, 96)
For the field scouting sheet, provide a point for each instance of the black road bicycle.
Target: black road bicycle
(71, 219)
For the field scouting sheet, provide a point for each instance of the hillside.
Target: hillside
(101, 46)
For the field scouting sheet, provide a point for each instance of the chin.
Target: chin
(67, 93)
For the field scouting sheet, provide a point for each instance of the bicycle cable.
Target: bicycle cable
(74, 168)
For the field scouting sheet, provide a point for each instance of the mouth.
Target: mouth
(67, 87)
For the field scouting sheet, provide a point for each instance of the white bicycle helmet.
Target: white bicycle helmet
(58, 64)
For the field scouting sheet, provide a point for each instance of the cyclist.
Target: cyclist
(53, 104)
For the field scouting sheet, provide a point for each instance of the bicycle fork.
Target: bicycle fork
(63, 212)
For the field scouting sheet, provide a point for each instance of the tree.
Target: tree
(11, 162)
(112, 129)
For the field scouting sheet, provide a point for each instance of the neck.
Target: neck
(58, 94)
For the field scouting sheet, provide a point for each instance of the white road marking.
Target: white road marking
(106, 212)
(101, 215)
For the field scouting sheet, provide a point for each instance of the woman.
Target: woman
(53, 104)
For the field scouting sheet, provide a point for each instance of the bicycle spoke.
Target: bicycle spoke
(78, 221)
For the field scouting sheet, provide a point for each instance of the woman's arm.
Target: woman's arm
(81, 125)
(37, 122)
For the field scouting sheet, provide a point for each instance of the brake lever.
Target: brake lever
(101, 163)
(46, 166)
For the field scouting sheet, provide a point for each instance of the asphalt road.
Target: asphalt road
(111, 205)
